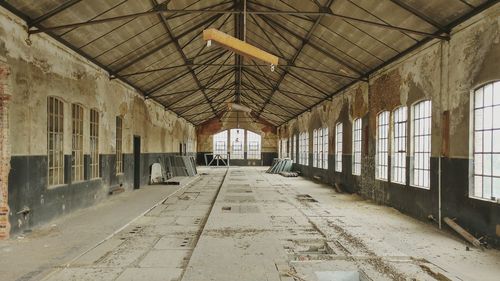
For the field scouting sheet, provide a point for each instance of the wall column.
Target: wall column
(4, 149)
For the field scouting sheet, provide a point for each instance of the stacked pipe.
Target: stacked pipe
(280, 165)
(181, 166)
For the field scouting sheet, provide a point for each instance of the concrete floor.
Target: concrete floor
(244, 224)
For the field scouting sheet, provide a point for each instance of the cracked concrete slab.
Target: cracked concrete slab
(285, 229)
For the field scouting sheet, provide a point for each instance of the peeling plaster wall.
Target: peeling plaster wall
(41, 67)
(446, 72)
(206, 131)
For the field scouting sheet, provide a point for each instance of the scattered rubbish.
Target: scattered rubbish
(466, 235)
(172, 166)
(280, 165)
(434, 271)
(25, 211)
(338, 187)
(157, 174)
(172, 182)
(306, 198)
(295, 275)
(217, 159)
(116, 190)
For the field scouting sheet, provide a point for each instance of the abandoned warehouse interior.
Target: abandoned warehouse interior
(133, 124)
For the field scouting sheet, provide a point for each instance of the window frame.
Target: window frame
(382, 145)
(252, 137)
(414, 147)
(218, 142)
(119, 169)
(238, 154)
(94, 118)
(339, 146)
(324, 151)
(357, 142)
(399, 138)
(315, 148)
(304, 148)
(485, 151)
(77, 135)
(55, 136)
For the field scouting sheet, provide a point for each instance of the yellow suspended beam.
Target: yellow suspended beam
(238, 46)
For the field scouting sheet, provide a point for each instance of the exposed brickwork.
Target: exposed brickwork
(4, 152)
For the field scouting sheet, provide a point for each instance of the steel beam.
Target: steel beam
(325, 12)
(419, 14)
(172, 40)
(450, 26)
(57, 10)
(179, 49)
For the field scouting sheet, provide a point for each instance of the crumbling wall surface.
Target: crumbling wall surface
(445, 72)
(343, 108)
(232, 120)
(41, 67)
(473, 60)
(4, 150)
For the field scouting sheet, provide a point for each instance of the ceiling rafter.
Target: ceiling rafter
(165, 70)
(174, 79)
(293, 59)
(450, 26)
(172, 40)
(162, 10)
(64, 6)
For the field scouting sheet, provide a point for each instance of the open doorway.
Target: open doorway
(137, 162)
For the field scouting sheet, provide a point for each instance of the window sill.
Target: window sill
(486, 200)
(399, 183)
(384, 180)
(420, 187)
(57, 186)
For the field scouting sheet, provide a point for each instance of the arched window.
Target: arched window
(237, 141)
(94, 144)
(76, 142)
(324, 149)
(119, 144)
(421, 143)
(338, 147)
(284, 147)
(253, 145)
(220, 144)
(357, 138)
(315, 148)
(486, 142)
(398, 163)
(382, 146)
(55, 141)
(304, 148)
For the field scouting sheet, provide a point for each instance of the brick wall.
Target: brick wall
(4, 151)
